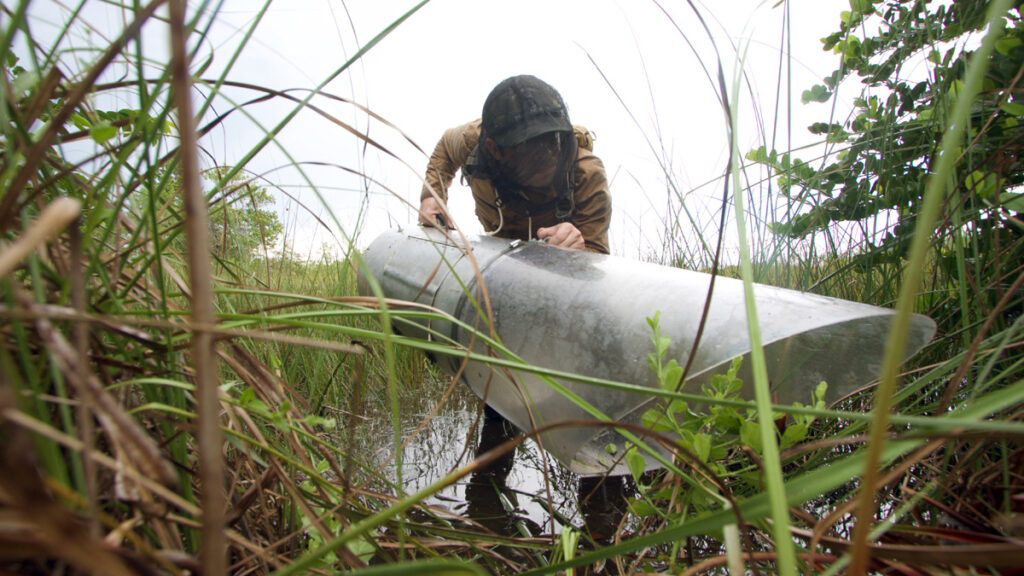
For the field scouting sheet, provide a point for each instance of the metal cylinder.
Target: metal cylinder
(586, 313)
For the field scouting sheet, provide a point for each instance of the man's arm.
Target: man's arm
(449, 155)
(593, 213)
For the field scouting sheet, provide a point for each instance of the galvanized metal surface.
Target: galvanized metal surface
(585, 313)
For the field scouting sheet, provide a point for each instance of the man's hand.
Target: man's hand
(563, 234)
(430, 209)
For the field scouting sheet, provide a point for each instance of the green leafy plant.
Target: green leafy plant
(911, 58)
(712, 432)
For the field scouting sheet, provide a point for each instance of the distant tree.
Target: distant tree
(243, 220)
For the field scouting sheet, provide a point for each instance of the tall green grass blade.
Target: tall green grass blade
(762, 392)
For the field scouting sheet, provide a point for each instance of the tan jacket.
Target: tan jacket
(592, 215)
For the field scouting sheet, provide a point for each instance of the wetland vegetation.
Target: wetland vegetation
(178, 395)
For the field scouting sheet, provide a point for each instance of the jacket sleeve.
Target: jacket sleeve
(449, 155)
(593, 203)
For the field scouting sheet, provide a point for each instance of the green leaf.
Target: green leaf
(819, 392)
(1006, 44)
(982, 184)
(280, 422)
(80, 122)
(818, 93)
(653, 322)
(661, 346)
(850, 48)
(702, 446)
(819, 397)
(318, 421)
(819, 128)
(794, 434)
(761, 156)
(734, 367)
(656, 420)
(729, 419)
(102, 132)
(718, 453)
(750, 435)
(24, 82)
(1015, 108)
(361, 548)
(862, 6)
(673, 374)
(636, 462)
(643, 508)
(1014, 202)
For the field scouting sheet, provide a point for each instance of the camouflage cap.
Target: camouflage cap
(522, 107)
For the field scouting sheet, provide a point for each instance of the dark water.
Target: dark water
(525, 493)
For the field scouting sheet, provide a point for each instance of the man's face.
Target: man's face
(532, 163)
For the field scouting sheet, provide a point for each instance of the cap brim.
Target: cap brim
(535, 127)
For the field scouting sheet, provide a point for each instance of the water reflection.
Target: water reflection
(509, 496)
(489, 501)
(603, 504)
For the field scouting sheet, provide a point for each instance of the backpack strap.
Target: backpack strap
(565, 199)
(584, 138)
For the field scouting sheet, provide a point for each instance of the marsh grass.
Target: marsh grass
(106, 407)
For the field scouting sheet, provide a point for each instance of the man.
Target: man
(529, 176)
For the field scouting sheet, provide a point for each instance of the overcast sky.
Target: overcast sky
(632, 71)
